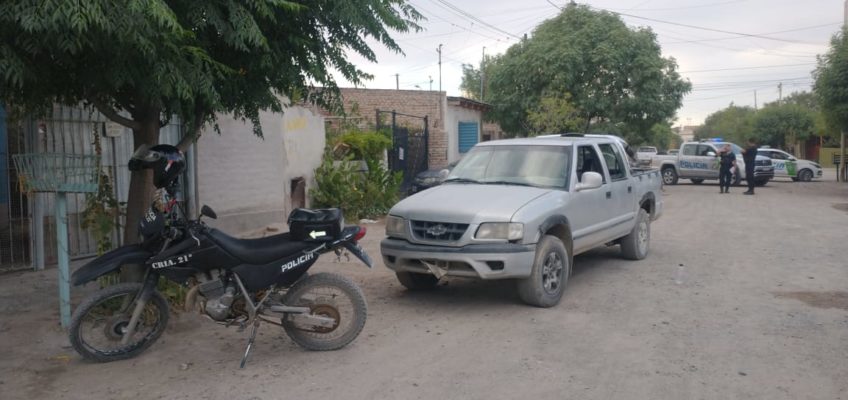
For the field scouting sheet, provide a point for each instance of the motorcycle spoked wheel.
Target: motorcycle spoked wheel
(98, 324)
(328, 295)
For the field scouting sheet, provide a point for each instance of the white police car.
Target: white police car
(787, 166)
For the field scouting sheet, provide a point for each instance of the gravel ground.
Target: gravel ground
(741, 297)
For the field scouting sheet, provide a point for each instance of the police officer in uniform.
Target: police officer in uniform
(749, 154)
(726, 164)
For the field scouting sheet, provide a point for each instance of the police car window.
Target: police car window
(689, 149)
(613, 160)
(703, 149)
(588, 160)
(776, 155)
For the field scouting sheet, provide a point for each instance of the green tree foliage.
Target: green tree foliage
(734, 123)
(831, 82)
(554, 114)
(141, 62)
(662, 137)
(471, 76)
(783, 125)
(616, 76)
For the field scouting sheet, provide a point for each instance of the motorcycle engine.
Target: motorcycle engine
(219, 295)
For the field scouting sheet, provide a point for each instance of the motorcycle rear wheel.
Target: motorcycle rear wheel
(328, 295)
(98, 324)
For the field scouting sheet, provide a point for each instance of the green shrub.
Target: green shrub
(361, 145)
(359, 195)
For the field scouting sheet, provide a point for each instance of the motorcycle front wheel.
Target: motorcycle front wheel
(99, 323)
(330, 296)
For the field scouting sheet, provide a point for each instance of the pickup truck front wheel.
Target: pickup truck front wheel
(635, 245)
(551, 268)
(414, 281)
(669, 176)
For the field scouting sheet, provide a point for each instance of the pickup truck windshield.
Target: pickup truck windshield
(734, 148)
(541, 166)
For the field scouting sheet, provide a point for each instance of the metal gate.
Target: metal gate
(15, 250)
(27, 224)
(410, 146)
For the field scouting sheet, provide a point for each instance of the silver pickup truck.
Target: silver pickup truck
(521, 209)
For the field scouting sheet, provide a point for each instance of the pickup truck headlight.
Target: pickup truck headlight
(395, 227)
(500, 230)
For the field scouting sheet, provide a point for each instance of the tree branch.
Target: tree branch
(192, 136)
(110, 113)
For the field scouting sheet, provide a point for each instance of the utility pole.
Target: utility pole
(397, 81)
(840, 170)
(780, 93)
(439, 50)
(755, 97)
(431, 82)
(483, 74)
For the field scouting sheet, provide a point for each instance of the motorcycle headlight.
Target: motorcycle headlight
(395, 227)
(500, 230)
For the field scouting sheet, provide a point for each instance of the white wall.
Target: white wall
(247, 179)
(453, 116)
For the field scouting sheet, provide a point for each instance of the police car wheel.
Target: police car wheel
(669, 176)
(805, 175)
(737, 179)
(635, 245)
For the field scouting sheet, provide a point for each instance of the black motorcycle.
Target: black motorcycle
(235, 282)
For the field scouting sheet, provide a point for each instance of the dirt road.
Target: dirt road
(741, 297)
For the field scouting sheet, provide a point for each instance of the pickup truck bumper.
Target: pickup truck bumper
(486, 261)
(763, 173)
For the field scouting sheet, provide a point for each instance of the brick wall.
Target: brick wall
(365, 102)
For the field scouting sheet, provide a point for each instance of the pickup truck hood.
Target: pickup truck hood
(467, 203)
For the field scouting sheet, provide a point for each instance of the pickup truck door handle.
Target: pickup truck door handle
(630, 189)
(609, 195)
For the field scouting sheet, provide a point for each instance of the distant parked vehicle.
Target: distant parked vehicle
(698, 161)
(673, 152)
(646, 152)
(787, 166)
(431, 177)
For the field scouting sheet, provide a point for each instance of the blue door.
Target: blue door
(468, 135)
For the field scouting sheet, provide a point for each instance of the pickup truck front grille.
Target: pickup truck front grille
(441, 231)
(762, 163)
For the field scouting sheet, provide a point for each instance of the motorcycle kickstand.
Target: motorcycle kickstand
(249, 343)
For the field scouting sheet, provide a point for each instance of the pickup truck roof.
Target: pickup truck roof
(559, 139)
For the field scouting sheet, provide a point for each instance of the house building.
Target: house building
(454, 124)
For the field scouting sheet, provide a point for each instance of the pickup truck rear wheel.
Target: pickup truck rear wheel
(551, 268)
(635, 245)
(414, 281)
(669, 176)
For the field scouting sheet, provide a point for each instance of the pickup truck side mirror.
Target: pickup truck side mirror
(711, 154)
(590, 180)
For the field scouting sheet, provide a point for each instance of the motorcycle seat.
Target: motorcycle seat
(259, 251)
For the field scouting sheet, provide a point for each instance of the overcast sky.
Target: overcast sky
(723, 67)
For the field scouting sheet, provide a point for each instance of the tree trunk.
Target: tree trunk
(140, 195)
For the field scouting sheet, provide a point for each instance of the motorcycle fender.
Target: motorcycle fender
(111, 261)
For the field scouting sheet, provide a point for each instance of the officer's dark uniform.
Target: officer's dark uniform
(750, 158)
(724, 174)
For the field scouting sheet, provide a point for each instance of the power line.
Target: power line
(687, 25)
(767, 33)
(744, 68)
(447, 5)
(690, 7)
